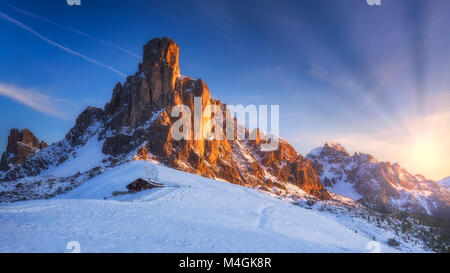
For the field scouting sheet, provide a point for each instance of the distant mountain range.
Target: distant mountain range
(362, 177)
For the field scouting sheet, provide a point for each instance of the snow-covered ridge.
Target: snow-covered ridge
(361, 176)
(192, 214)
(445, 183)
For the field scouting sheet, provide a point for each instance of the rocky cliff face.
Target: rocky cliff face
(137, 124)
(139, 117)
(363, 177)
(21, 146)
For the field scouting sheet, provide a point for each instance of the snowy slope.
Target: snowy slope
(445, 183)
(79, 165)
(193, 214)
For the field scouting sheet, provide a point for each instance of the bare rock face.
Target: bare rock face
(150, 89)
(161, 68)
(21, 146)
(239, 162)
(91, 118)
(139, 119)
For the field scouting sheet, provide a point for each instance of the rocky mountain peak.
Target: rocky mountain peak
(363, 177)
(334, 148)
(138, 117)
(334, 145)
(21, 146)
(137, 125)
(161, 51)
(150, 90)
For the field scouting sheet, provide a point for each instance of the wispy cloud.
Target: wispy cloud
(36, 100)
(40, 18)
(68, 50)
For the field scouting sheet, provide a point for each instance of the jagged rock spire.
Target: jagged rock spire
(161, 68)
(157, 86)
(160, 51)
(21, 146)
(151, 89)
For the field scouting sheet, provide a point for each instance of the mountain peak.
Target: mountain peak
(144, 103)
(151, 89)
(335, 146)
(137, 124)
(21, 146)
(161, 51)
(362, 176)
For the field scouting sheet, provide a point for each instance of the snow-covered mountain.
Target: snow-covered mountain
(190, 214)
(362, 177)
(445, 182)
(137, 122)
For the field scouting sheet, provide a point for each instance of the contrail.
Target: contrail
(68, 50)
(37, 17)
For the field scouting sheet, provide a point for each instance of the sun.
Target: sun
(425, 149)
(425, 153)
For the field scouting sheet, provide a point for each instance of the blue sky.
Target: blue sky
(374, 78)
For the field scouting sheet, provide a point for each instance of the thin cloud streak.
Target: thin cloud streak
(37, 17)
(68, 50)
(35, 100)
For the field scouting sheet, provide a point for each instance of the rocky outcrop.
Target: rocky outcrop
(139, 119)
(87, 124)
(136, 124)
(151, 89)
(361, 176)
(21, 146)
